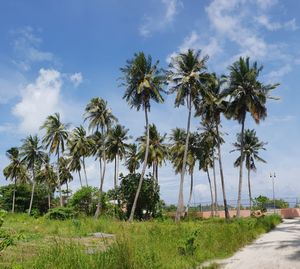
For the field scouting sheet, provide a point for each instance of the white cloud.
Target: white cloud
(38, 100)
(27, 49)
(277, 74)
(76, 79)
(161, 21)
(273, 26)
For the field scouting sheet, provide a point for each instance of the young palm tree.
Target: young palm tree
(33, 156)
(74, 165)
(252, 146)
(116, 147)
(55, 137)
(247, 95)
(100, 118)
(47, 176)
(176, 155)
(132, 160)
(143, 82)
(15, 171)
(158, 150)
(79, 147)
(188, 74)
(212, 106)
(65, 174)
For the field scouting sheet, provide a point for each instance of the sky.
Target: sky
(57, 55)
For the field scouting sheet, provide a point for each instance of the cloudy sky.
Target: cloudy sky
(56, 55)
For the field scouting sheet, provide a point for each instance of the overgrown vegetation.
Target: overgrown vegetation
(154, 244)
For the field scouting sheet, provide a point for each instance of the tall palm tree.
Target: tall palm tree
(143, 82)
(47, 176)
(100, 119)
(247, 95)
(132, 159)
(116, 147)
(33, 156)
(212, 106)
(188, 75)
(158, 150)
(55, 137)
(74, 165)
(252, 146)
(15, 171)
(79, 147)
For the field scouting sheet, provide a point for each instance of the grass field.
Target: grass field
(67, 244)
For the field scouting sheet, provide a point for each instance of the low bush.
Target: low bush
(61, 213)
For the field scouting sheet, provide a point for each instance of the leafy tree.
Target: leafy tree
(188, 75)
(247, 95)
(158, 150)
(132, 161)
(79, 147)
(100, 118)
(148, 198)
(144, 82)
(33, 156)
(252, 146)
(55, 137)
(15, 171)
(212, 106)
(85, 200)
(116, 147)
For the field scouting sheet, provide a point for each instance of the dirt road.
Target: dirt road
(278, 249)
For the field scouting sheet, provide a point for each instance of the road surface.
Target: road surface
(278, 249)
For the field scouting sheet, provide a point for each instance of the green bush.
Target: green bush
(61, 213)
(85, 200)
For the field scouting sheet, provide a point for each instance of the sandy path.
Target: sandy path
(278, 249)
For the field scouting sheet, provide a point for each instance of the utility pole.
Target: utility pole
(272, 177)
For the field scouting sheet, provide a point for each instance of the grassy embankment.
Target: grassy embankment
(155, 244)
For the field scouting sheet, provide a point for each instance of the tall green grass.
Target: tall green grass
(153, 244)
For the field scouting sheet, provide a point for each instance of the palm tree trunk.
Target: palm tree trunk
(249, 187)
(180, 205)
(115, 175)
(58, 180)
(238, 210)
(99, 205)
(118, 166)
(14, 197)
(84, 170)
(227, 216)
(191, 193)
(32, 191)
(215, 186)
(144, 167)
(156, 172)
(211, 192)
(49, 199)
(79, 175)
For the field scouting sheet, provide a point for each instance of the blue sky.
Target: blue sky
(56, 55)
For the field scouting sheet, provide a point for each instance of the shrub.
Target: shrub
(85, 200)
(61, 213)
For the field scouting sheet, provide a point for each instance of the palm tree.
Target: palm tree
(65, 173)
(177, 149)
(247, 94)
(188, 74)
(132, 159)
(158, 150)
(15, 171)
(47, 176)
(79, 147)
(143, 82)
(33, 156)
(116, 147)
(74, 165)
(100, 118)
(54, 139)
(252, 146)
(210, 110)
